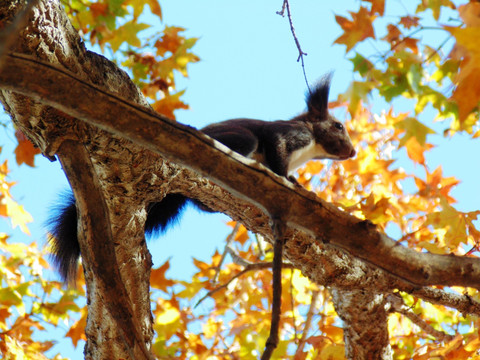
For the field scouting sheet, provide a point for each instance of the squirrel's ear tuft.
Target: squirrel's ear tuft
(317, 100)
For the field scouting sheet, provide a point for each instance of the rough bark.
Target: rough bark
(364, 314)
(115, 174)
(119, 323)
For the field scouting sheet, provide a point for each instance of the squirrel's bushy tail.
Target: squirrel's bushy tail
(62, 229)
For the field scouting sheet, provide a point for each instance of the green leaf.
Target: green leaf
(413, 128)
(361, 64)
(128, 33)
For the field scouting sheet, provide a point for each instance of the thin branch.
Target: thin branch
(436, 51)
(261, 250)
(230, 238)
(248, 267)
(397, 305)
(416, 31)
(422, 324)
(278, 229)
(463, 303)
(282, 12)
(301, 53)
(382, 57)
(237, 259)
(308, 323)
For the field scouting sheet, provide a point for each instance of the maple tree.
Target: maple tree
(436, 75)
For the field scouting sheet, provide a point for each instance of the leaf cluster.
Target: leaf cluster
(153, 58)
(31, 306)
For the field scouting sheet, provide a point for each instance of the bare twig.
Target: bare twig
(301, 53)
(398, 306)
(238, 259)
(278, 228)
(282, 12)
(463, 303)
(308, 323)
(230, 238)
(248, 267)
(261, 250)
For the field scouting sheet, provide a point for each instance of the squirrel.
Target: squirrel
(282, 146)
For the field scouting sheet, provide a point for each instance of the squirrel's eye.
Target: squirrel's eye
(339, 126)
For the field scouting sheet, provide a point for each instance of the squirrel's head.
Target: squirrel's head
(328, 132)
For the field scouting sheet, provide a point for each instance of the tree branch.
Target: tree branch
(98, 246)
(278, 229)
(61, 89)
(301, 53)
(308, 323)
(463, 303)
(248, 267)
(398, 305)
(229, 240)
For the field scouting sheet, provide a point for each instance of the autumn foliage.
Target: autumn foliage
(224, 310)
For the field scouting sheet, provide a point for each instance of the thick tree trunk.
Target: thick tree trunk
(119, 321)
(365, 323)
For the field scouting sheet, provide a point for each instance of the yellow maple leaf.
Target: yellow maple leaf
(138, 6)
(242, 235)
(9, 208)
(158, 279)
(435, 6)
(451, 224)
(126, 33)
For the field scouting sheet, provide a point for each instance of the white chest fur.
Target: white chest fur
(309, 152)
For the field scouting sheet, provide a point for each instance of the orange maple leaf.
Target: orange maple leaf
(77, 331)
(378, 7)
(393, 35)
(99, 9)
(170, 41)
(357, 29)
(25, 151)
(409, 21)
(415, 150)
(470, 13)
(467, 92)
(436, 185)
(155, 8)
(169, 104)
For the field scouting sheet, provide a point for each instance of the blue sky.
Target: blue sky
(248, 68)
